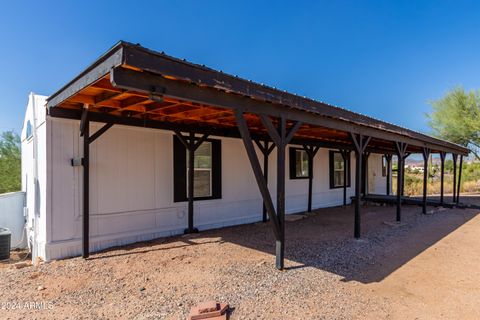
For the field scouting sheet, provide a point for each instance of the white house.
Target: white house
(137, 169)
(132, 185)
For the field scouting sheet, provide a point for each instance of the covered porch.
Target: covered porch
(133, 86)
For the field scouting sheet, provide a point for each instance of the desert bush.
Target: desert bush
(470, 186)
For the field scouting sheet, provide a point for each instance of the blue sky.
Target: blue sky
(385, 59)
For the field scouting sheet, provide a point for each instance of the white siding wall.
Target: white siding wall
(36, 196)
(131, 188)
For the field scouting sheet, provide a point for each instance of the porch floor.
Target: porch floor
(425, 268)
(418, 200)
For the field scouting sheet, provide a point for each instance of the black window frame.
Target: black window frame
(292, 152)
(180, 171)
(331, 170)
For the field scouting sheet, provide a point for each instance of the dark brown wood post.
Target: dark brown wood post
(442, 174)
(265, 176)
(266, 149)
(191, 145)
(366, 156)
(388, 159)
(311, 152)
(87, 140)
(85, 132)
(401, 148)
(190, 178)
(403, 173)
(346, 156)
(310, 180)
(426, 155)
(257, 170)
(459, 178)
(454, 158)
(399, 188)
(280, 245)
(360, 142)
(280, 138)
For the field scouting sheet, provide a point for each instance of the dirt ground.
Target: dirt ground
(425, 268)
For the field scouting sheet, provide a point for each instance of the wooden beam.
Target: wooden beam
(199, 127)
(99, 132)
(144, 82)
(132, 101)
(106, 96)
(252, 156)
(144, 59)
(292, 131)
(266, 148)
(272, 131)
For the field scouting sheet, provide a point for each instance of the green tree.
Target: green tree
(456, 118)
(10, 162)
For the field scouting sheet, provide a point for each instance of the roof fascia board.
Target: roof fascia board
(153, 84)
(93, 73)
(159, 63)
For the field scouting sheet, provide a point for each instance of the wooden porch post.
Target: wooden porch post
(311, 152)
(191, 146)
(442, 174)
(281, 138)
(459, 178)
(388, 159)
(87, 140)
(346, 156)
(426, 155)
(454, 158)
(360, 142)
(85, 132)
(401, 154)
(266, 149)
(280, 243)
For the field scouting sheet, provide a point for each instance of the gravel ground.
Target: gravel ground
(328, 275)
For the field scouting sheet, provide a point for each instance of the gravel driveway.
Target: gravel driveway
(393, 272)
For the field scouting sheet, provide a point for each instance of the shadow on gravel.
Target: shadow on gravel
(324, 239)
(142, 247)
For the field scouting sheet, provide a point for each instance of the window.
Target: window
(384, 166)
(207, 171)
(202, 176)
(337, 170)
(29, 129)
(298, 164)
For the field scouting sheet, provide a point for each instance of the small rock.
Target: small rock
(20, 265)
(142, 289)
(41, 288)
